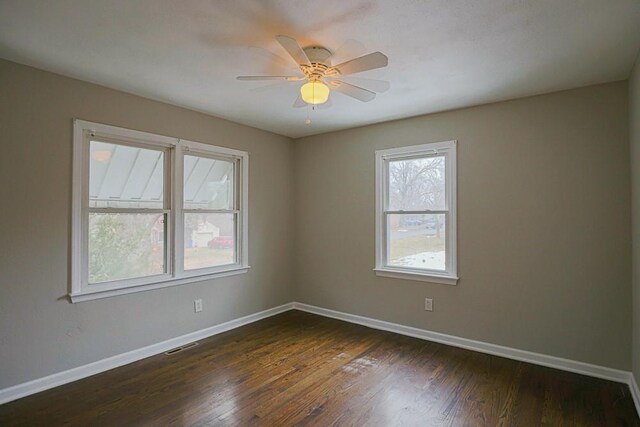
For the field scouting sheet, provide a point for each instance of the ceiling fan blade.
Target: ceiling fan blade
(294, 49)
(285, 78)
(356, 92)
(349, 50)
(364, 63)
(374, 85)
(299, 102)
(277, 85)
(271, 57)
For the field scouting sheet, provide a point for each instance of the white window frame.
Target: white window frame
(382, 158)
(174, 149)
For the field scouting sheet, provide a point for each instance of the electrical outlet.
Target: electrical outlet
(428, 304)
(197, 305)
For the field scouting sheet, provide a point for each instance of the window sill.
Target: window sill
(88, 296)
(432, 278)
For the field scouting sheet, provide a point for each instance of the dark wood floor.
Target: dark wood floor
(301, 369)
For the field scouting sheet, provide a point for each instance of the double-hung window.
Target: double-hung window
(152, 211)
(416, 212)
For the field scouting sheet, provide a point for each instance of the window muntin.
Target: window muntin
(415, 219)
(133, 199)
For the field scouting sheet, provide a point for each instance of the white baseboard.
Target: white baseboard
(74, 374)
(483, 347)
(635, 392)
(60, 378)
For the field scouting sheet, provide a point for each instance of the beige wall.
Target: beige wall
(634, 140)
(544, 235)
(543, 225)
(40, 331)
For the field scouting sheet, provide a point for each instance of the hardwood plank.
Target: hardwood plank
(301, 369)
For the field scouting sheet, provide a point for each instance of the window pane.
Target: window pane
(416, 241)
(208, 183)
(209, 240)
(124, 246)
(417, 184)
(121, 176)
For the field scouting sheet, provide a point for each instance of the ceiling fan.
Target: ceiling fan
(321, 76)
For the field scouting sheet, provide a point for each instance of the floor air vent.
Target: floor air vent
(179, 349)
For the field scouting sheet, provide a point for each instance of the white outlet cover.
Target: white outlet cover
(428, 304)
(197, 305)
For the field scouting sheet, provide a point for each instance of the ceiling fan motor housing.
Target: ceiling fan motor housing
(320, 62)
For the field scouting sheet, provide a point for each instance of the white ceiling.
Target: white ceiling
(443, 54)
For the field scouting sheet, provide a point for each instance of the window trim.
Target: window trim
(382, 158)
(174, 149)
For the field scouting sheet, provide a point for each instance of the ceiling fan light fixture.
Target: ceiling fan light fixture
(314, 92)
